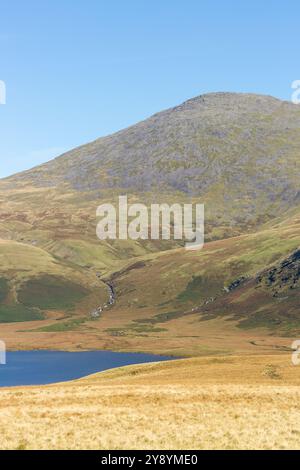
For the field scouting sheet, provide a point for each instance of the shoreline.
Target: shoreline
(45, 367)
(194, 400)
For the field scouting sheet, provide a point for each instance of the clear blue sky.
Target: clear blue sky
(79, 69)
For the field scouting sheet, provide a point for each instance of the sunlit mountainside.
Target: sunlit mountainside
(236, 153)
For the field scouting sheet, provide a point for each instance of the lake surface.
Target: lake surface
(45, 367)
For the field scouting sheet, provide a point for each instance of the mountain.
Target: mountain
(237, 153)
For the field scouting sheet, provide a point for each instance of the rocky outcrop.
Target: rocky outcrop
(235, 284)
(283, 276)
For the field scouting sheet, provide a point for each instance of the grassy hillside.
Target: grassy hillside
(190, 303)
(218, 281)
(204, 403)
(33, 283)
(237, 153)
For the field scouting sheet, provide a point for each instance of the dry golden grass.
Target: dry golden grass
(202, 403)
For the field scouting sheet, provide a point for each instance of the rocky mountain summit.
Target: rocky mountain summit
(238, 153)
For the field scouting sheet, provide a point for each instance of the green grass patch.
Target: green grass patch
(51, 293)
(4, 289)
(139, 329)
(146, 328)
(267, 319)
(161, 318)
(69, 325)
(192, 291)
(19, 313)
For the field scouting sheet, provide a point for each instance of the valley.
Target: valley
(236, 153)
